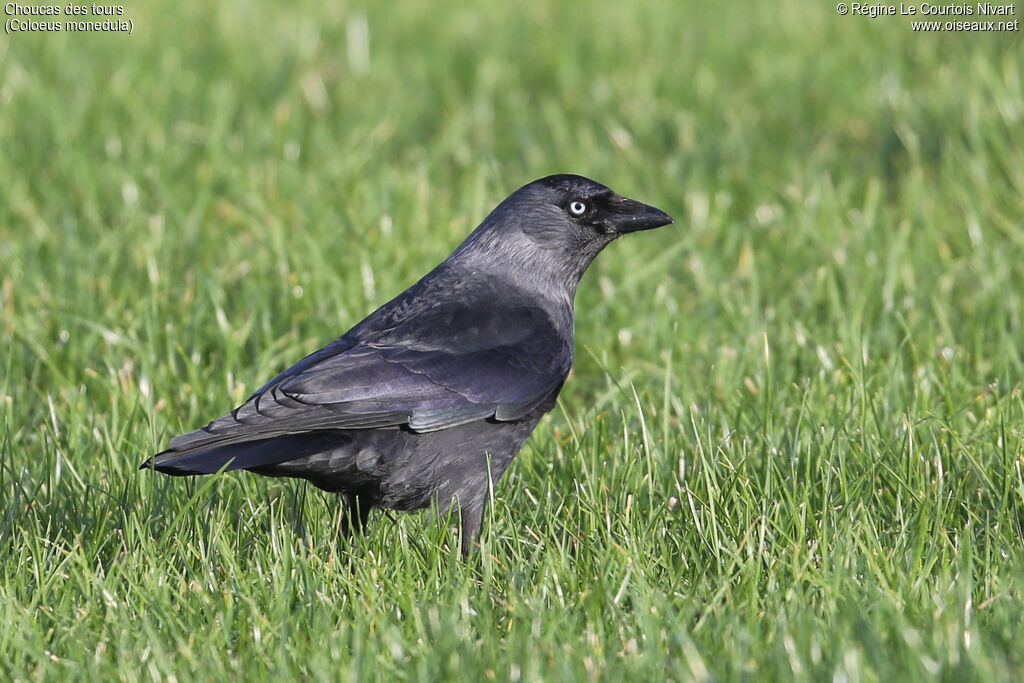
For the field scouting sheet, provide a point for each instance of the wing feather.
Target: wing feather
(445, 367)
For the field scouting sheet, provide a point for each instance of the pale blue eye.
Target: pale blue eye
(578, 208)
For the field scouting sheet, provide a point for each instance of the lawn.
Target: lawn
(792, 446)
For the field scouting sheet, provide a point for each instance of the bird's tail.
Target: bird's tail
(207, 458)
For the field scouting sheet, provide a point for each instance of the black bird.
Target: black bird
(440, 387)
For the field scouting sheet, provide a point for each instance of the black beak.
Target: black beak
(628, 215)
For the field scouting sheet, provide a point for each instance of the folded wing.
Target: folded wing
(446, 367)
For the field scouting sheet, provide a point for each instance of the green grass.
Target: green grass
(793, 441)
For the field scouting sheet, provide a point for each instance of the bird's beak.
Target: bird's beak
(628, 215)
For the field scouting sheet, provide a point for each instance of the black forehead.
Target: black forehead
(574, 185)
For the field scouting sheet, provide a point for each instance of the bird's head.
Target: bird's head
(582, 210)
(556, 226)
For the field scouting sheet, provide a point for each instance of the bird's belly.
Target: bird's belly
(404, 470)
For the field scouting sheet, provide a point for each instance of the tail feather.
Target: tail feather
(210, 458)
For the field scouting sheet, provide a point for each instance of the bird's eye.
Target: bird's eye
(578, 208)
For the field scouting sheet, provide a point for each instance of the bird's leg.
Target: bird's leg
(472, 513)
(355, 515)
(472, 519)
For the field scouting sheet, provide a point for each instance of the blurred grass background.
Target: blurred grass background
(791, 447)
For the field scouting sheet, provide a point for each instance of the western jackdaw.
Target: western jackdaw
(439, 388)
